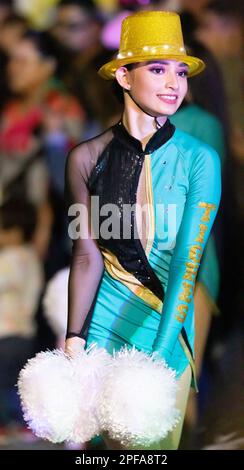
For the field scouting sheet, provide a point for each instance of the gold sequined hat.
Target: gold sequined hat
(148, 35)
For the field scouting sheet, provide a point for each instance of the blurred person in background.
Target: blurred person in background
(77, 27)
(193, 6)
(12, 27)
(221, 30)
(195, 119)
(21, 281)
(204, 114)
(39, 123)
(6, 8)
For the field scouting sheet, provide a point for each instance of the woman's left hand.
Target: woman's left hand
(74, 346)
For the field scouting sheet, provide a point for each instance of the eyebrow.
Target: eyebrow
(165, 62)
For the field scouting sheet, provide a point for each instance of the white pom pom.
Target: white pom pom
(137, 401)
(55, 302)
(58, 394)
(44, 387)
(89, 374)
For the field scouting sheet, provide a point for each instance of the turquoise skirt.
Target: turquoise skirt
(122, 318)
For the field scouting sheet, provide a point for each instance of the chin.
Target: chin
(172, 111)
(163, 112)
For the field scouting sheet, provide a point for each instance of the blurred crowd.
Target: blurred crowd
(51, 98)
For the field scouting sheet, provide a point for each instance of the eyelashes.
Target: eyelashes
(183, 73)
(160, 71)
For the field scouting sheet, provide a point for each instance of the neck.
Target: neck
(33, 97)
(138, 123)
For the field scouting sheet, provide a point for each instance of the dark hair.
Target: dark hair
(88, 5)
(90, 8)
(6, 3)
(189, 25)
(44, 42)
(207, 88)
(20, 214)
(14, 19)
(131, 5)
(47, 46)
(232, 9)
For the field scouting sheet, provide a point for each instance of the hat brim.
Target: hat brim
(107, 71)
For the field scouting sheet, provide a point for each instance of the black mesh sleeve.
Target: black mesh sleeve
(87, 264)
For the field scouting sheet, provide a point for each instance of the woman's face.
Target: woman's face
(74, 28)
(27, 69)
(157, 87)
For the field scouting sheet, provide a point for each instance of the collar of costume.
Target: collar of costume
(160, 137)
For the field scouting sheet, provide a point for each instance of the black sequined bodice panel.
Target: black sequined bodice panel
(115, 180)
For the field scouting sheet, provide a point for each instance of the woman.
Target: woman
(39, 123)
(135, 284)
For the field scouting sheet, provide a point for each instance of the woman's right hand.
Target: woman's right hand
(74, 346)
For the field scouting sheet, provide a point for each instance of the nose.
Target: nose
(172, 80)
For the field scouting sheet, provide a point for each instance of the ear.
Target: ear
(122, 77)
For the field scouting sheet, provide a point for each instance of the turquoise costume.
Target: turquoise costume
(141, 293)
(201, 124)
